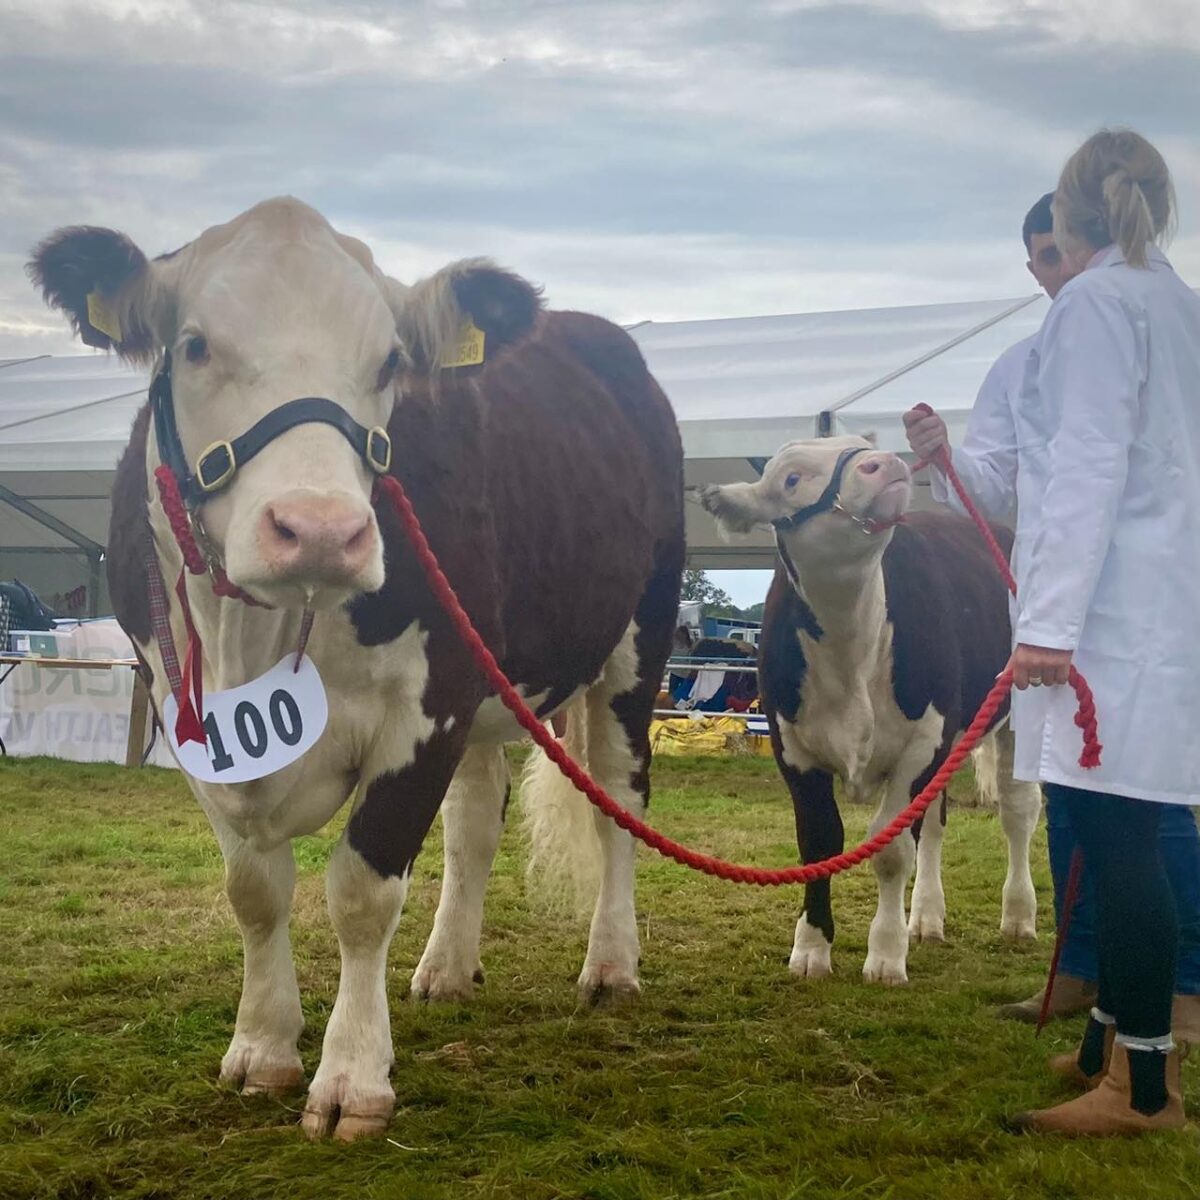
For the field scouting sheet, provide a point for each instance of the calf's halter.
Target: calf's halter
(182, 492)
(217, 465)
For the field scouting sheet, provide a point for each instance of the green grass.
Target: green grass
(120, 977)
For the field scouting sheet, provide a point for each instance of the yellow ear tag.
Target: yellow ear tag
(468, 350)
(102, 317)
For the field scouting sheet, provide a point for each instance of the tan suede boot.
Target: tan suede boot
(1107, 1110)
(1070, 997)
(1066, 1066)
(1185, 1019)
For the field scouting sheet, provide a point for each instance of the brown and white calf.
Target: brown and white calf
(549, 482)
(879, 643)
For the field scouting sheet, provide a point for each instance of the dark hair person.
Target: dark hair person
(1107, 558)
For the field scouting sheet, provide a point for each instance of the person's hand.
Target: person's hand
(926, 433)
(1033, 666)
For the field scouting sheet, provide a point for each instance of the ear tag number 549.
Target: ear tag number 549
(256, 729)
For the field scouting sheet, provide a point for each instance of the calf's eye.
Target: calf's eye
(196, 348)
(791, 481)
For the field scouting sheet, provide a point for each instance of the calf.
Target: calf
(546, 469)
(882, 635)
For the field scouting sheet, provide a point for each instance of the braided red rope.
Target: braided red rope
(193, 557)
(709, 865)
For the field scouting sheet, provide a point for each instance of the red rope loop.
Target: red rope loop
(708, 864)
(193, 556)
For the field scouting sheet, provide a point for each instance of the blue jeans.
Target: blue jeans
(1179, 845)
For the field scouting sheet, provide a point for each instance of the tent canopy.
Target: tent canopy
(741, 387)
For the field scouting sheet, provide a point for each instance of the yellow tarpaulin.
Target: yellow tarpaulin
(705, 735)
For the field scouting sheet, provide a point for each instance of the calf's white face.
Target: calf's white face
(271, 307)
(875, 489)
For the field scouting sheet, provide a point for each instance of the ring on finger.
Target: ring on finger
(1035, 681)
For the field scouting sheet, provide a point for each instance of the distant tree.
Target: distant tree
(698, 586)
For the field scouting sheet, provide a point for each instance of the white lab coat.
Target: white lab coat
(1104, 415)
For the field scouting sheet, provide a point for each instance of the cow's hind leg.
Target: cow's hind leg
(927, 917)
(1020, 806)
(262, 1057)
(618, 747)
(472, 819)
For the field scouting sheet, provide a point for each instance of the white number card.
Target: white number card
(256, 729)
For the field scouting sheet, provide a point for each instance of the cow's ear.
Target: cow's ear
(736, 507)
(463, 315)
(104, 284)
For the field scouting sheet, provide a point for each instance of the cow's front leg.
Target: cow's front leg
(262, 1057)
(351, 1095)
(819, 835)
(472, 818)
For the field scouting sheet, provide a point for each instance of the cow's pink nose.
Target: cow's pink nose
(322, 539)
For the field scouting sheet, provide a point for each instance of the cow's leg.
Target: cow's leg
(927, 918)
(366, 883)
(618, 752)
(887, 941)
(1020, 806)
(472, 818)
(262, 1057)
(819, 835)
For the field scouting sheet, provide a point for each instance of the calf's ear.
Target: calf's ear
(463, 315)
(735, 506)
(104, 284)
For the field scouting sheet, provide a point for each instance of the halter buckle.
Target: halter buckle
(216, 467)
(378, 450)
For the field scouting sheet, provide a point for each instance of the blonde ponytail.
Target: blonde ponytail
(1115, 188)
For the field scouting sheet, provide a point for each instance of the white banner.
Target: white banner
(74, 713)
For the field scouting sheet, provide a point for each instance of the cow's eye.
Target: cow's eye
(791, 481)
(196, 348)
(387, 372)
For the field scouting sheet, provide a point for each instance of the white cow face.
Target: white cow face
(271, 307)
(873, 493)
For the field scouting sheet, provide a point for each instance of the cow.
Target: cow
(548, 480)
(883, 632)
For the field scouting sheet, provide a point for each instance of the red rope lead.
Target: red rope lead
(709, 865)
(193, 557)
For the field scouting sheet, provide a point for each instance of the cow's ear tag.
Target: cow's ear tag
(103, 317)
(467, 350)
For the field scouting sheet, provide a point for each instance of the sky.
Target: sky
(653, 160)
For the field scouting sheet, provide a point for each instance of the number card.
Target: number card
(256, 729)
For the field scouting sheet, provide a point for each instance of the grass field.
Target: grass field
(120, 978)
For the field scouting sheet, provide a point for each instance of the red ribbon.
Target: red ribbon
(189, 725)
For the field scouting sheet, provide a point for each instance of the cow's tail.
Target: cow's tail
(986, 760)
(564, 847)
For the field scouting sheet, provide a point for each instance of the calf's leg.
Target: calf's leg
(472, 818)
(262, 1057)
(1020, 806)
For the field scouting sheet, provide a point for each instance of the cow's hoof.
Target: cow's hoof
(260, 1072)
(927, 927)
(1019, 929)
(889, 972)
(608, 986)
(813, 962)
(439, 982)
(338, 1109)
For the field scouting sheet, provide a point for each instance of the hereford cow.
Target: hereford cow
(880, 641)
(548, 479)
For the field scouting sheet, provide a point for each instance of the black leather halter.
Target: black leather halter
(827, 500)
(217, 465)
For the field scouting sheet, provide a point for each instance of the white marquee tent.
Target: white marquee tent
(741, 387)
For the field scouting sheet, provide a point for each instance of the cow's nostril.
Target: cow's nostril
(869, 468)
(360, 539)
(284, 532)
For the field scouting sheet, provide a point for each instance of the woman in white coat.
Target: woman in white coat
(1107, 559)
